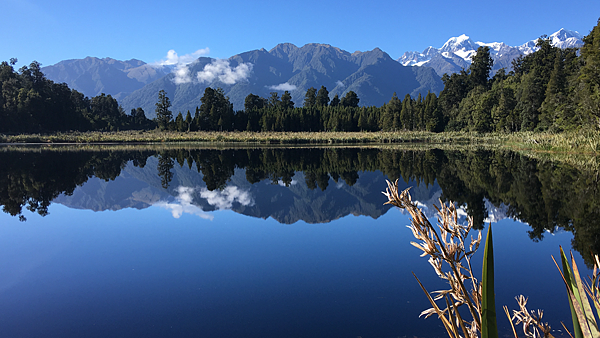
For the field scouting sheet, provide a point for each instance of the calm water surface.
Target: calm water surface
(264, 242)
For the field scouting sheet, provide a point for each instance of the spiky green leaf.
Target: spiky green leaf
(489, 327)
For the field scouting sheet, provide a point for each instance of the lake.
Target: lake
(269, 241)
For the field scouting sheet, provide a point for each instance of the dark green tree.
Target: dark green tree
(163, 113)
(188, 122)
(322, 97)
(406, 114)
(216, 111)
(335, 101)
(481, 66)
(350, 100)
(179, 123)
(310, 99)
(391, 114)
(274, 100)
(286, 101)
(588, 86)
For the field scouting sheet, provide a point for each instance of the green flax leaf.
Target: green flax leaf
(489, 327)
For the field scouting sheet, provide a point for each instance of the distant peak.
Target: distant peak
(564, 34)
(462, 42)
(458, 39)
(285, 45)
(284, 48)
(315, 44)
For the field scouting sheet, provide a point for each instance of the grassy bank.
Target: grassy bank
(579, 142)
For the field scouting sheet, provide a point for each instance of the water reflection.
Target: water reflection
(311, 184)
(184, 204)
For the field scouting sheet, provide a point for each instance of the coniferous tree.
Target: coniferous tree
(215, 107)
(163, 113)
(480, 67)
(179, 123)
(322, 99)
(274, 100)
(350, 100)
(310, 98)
(391, 114)
(286, 101)
(335, 101)
(406, 114)
(188, 121)
(432, 117)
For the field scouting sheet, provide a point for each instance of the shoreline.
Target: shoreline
(582, 142)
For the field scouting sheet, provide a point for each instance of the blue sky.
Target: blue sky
(51, 31)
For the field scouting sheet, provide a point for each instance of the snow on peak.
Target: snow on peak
(566, 39)
(463, 47)
(460, 43)
(564, 34)
(563, 38)
(495, 47)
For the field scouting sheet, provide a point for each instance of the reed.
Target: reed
(450, 250)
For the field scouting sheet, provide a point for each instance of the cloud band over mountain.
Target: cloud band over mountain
(218, 69)
(283, 86)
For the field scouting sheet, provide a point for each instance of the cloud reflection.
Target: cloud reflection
(183, 204)
(223, 199)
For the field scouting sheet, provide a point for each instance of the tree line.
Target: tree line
(29, 102)
(551, 89)
(317, 113)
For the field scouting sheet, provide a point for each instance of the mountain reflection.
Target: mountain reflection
(311, 184)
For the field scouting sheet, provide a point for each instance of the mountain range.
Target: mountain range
(456, 53)
(93, 76)
(373, 75)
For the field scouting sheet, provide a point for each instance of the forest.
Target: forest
(551, 89)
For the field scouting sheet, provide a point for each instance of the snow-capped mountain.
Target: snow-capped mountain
(456, 53)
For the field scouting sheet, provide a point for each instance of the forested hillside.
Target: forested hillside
(31, 103)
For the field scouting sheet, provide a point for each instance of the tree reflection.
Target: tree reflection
(544, 194)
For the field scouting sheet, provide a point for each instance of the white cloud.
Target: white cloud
(218, 69)
(221, 70)
(340, 83)
(173, 59)
(224, 199)
(283, 86)
(180, 64)
(183, 204)
(182, 74)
